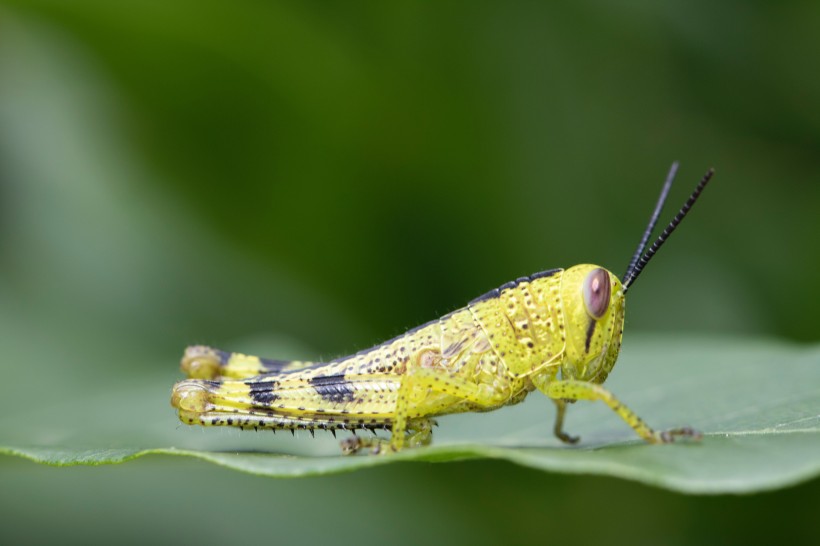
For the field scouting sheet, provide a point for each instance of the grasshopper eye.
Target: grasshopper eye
(596, 292)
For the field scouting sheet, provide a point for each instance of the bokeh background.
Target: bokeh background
(316, 177)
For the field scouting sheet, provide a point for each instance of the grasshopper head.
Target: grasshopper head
(593, 298)
(593, 302)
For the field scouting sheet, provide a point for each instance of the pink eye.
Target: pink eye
(597, 292)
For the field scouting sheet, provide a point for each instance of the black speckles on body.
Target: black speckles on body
(282, 422)
(334, 388)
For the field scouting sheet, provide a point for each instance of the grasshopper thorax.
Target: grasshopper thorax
(593, 307)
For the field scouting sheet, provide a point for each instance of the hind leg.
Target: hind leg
(419, 433)
(201, 362)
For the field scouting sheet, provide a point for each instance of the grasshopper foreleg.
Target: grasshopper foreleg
(572, 389)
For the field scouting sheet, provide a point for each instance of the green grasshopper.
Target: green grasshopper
(557, 331)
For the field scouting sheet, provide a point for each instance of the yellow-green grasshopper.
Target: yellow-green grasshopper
(557, 331)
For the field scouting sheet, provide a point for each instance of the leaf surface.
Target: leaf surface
(758, 404)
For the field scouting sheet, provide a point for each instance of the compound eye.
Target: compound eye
(596, 292)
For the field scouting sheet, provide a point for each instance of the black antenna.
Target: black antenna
(673, 170)
(634, 271)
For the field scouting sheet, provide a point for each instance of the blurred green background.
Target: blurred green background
(317, 177)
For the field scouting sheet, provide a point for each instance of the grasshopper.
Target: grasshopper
(557, 331)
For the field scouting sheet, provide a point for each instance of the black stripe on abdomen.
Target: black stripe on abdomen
(333, 388)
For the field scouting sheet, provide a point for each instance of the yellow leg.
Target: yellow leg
(201, 362)
(421, 381)
(421, 435)
(558, 429)
(571, 390)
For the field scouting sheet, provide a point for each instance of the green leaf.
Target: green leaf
(757, 402)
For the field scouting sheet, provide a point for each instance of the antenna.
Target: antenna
(673, 170)
(637, 264)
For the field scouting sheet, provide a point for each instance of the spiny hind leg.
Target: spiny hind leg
(251, 406)
(571, 390)
(201, 362)
(224, 402)
(419, 432)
